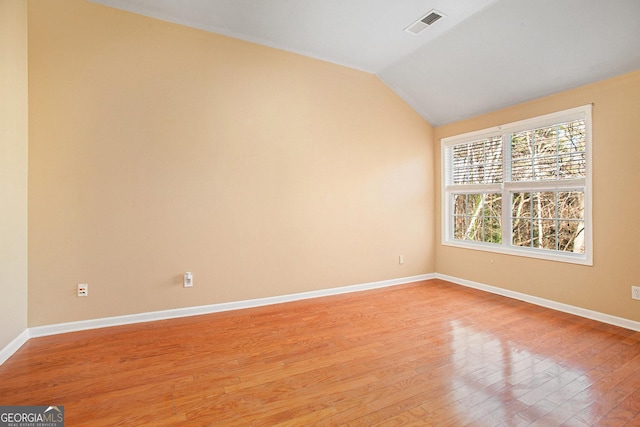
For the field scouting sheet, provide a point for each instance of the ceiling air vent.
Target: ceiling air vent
(423, 23)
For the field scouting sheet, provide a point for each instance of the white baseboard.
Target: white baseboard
(13, 346)
(61, 328)
(558, 306)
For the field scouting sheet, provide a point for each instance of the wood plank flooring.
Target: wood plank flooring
(428, 353)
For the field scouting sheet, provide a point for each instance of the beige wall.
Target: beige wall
(156, 149)
(605, 287)
(13, 170)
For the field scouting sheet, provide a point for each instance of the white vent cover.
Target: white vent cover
(423, 23)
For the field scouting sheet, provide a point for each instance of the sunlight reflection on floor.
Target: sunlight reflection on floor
(519, 385)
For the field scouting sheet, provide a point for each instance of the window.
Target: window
(523, 188)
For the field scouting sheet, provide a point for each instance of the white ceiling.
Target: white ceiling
(484, 55)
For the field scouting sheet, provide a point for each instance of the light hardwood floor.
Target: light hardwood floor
(428, 353)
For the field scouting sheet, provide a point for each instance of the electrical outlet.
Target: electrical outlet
(187, 280)
(83, 290)
(635, 292)
(401, 259)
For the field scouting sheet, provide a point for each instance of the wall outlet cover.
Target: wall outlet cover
(83, 289)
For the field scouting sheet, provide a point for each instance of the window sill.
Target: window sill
(571, 258)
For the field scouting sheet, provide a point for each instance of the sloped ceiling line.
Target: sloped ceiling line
(486, 54)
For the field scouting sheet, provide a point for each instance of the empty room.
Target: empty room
(319, 212)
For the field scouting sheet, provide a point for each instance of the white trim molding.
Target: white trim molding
(554, 305)
(13, 346)
(60, 328)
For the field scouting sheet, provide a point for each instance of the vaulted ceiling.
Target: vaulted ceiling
(481, 56)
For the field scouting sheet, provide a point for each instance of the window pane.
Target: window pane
(546, 234)
(571, 205)
(548, 220)
(553, 152)
(571, 165)
(545, 168)
(493, 230)
(521, 145)
(571, 236)
(521, 205)
(477, 217)
(544, 205)
(478, 162)
(522, 232)
(474, 217)
(459, 227)
(493, 205)
(571, 150)
(522, 170)
(459, 204)
(474, 204)
(545, 141)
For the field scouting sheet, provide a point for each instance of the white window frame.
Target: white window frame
(509, 187)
